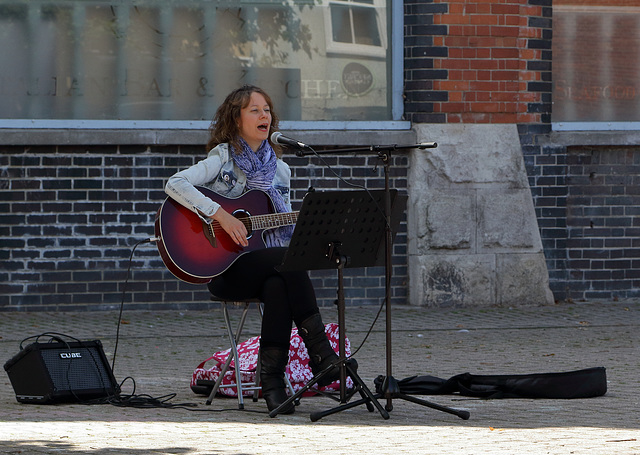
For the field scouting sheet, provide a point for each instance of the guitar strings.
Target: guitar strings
(262, 221)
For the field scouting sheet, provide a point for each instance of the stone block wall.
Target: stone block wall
(473, 234)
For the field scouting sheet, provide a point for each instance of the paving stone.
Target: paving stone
(159, 351)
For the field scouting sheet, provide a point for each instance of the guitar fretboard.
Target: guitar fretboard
(273, 220)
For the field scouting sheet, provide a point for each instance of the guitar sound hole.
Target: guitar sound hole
(244, 217)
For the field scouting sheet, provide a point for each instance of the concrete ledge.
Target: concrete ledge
(569, 138)
(320, 138)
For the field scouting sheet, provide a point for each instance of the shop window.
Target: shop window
(596, 68)
(175, 61)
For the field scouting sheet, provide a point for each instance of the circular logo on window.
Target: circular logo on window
(356, 79)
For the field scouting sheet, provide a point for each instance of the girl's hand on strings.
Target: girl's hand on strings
(232, 226)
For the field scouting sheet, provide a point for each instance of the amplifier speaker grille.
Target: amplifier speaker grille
(61, 372)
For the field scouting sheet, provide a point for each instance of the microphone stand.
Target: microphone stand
(390, 386)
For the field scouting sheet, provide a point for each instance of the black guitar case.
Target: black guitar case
(587, 383)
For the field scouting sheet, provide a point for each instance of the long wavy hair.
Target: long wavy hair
(224, 127)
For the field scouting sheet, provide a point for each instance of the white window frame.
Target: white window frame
(353, 48)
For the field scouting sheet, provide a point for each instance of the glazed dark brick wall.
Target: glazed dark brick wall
(603, 223)
(546, 168)
(587, 203)
(70, 217)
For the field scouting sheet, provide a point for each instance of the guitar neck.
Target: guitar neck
(273, 220)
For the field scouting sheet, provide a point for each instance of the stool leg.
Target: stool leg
(234, 339)
(256, 392)
(216, 386)
(234, 349)
(233, 354)
(256, 384)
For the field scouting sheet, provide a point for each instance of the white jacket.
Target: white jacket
(219, 173)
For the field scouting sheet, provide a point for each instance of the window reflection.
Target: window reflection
(177, 59)
(596, 47)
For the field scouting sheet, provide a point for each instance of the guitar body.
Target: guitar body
(184, 246)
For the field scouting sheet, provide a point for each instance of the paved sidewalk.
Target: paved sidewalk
(160, 350)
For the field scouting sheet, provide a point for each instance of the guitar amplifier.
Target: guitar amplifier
(57, 372)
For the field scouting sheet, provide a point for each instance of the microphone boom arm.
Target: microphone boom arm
(370, 148)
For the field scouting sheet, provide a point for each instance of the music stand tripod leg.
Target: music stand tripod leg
(348, 369)
(300, 392)
(368, 398)
(391, 390)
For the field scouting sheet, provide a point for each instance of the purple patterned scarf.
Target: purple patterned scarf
(260, 169)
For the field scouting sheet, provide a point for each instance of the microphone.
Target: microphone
(278, 138)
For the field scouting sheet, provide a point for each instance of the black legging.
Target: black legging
(287, 296)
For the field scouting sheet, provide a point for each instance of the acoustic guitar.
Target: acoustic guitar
(195, 251)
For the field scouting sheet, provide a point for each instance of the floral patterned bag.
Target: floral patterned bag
(298, 370)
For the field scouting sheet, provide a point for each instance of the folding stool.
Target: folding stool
(234, 339)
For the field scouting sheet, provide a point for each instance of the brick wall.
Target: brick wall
(587, 203)
(546, 168)
(478, 61)
(65, 238)
(603, 223)
(70, 217)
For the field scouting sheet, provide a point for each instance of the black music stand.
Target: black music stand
(389, 388)
(334, 230)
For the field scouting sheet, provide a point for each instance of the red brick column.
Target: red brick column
(490, 61)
